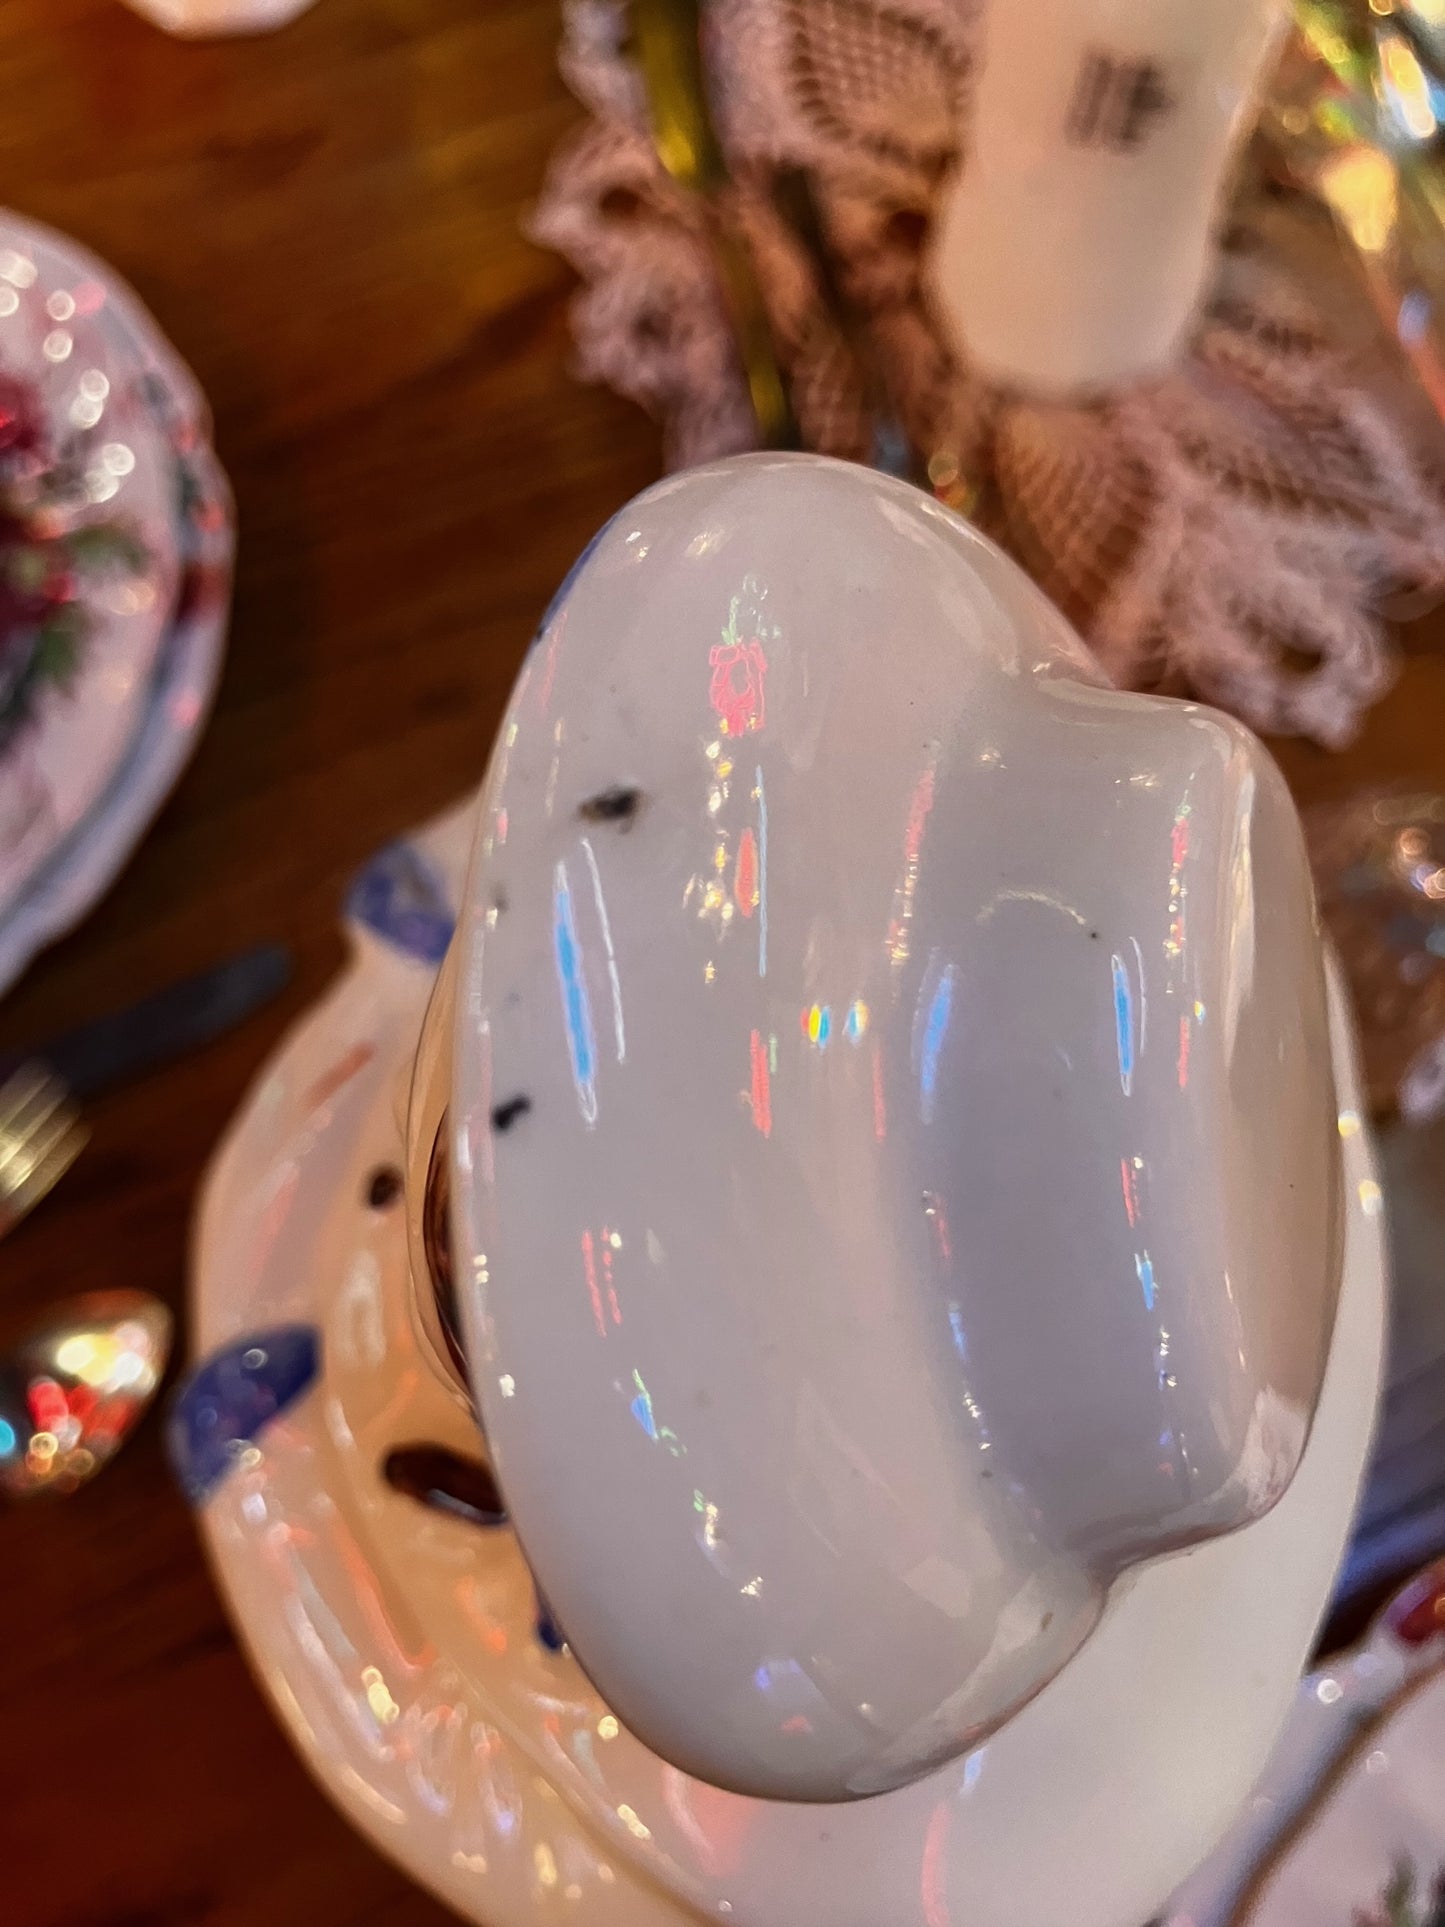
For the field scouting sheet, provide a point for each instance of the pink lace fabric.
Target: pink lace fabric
(1237, 528)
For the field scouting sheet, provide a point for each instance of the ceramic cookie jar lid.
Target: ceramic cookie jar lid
(895, 1165)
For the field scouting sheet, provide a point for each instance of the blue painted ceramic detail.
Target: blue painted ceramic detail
(401, 898)
(231, 1397)
(548, 1631)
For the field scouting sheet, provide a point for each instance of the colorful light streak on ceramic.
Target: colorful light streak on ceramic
(760, 796)
(709, 1513)
(1128, 1183)
(955, 1326)
(1144, 1267)
(761, 1088)
(1123, 1021)
(745, 874)
(641, 1409)
(932, 1870)
(714, 900)
(817, 1022)
(721, 789)
(855, 1024)
(611, 1244)
(602, 1248)
(907, 888)
(619, 1029)
(576, 1006)
(935, 1030)
(1178, 890)
(737, 688)
(496, 837)
(589, 1272)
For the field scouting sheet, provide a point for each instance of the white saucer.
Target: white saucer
(400, 1647)
(351, 1599)
(1351, 1798)
(80, 782)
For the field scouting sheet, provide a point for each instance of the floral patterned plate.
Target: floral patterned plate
(116, 538)
(1347, 1823)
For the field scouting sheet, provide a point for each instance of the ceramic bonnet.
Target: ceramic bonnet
(893, 1148)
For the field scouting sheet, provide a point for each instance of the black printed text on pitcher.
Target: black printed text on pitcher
(1117, 101)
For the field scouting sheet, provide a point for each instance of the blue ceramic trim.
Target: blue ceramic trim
(229, 1399)
(548, 1631)
(400, 898)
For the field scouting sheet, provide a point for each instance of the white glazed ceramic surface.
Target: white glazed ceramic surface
(398, 1646)
(896, 1163)
(79, 786)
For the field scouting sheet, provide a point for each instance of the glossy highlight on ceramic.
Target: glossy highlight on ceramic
(927, 1207)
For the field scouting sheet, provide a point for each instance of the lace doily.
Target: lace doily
(1235, 528)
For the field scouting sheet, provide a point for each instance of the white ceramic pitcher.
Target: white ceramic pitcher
(1076, 242)
(911, 1228)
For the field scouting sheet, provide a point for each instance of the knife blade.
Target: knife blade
(124, 1044)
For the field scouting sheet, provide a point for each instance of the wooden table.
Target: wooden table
(326, 223)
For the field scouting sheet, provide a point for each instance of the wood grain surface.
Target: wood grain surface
(326, 222)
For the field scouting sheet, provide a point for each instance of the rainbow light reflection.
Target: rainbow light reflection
(935, 1029)
(576, 1006)
(1144, 1266)
(1123, 1021)
(619, 1029)
(762, 874)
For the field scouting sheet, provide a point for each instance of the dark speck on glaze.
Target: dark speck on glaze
(616, 805)
(506, 1115)
(383, 1187)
